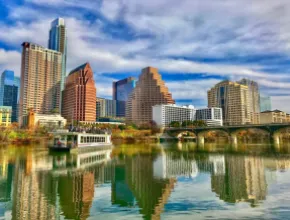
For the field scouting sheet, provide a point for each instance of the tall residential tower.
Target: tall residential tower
(150, 90)
(233, 99)
(40, 80)
(58, 41)
(254, 99)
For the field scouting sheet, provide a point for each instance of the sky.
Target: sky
(194, 44)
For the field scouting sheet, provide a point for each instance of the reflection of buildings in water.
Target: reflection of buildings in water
(121, 192)
(167, 165)
(76, 193)
(151, 194)
(243, 180)
(28, 200)
(42, 193)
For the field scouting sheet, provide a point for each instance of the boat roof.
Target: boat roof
(76, 133)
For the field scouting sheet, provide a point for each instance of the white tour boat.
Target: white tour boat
(66, 141)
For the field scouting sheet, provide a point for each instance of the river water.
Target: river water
(163, 181)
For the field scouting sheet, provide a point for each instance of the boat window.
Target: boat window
(88, 139)
(82, 139)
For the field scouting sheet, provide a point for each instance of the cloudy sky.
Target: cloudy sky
(193, 43)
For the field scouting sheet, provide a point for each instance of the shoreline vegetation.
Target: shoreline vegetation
(125, 134)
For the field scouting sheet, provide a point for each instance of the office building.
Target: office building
(121, 91)
(106, 108)
(5, 116)
(265, 103)
(253, 99)
(9, 92)
(163, 115)
(79, 95)
(40, 80)
(150, 90)
(276, 116)
(58, 41)
(232, 98)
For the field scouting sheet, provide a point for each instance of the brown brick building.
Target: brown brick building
(79, 95)
(150, 90)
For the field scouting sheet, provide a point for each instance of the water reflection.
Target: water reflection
(143, 184)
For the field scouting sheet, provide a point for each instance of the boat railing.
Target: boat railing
(91, 130)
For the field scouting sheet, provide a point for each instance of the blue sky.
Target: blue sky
(193, 43)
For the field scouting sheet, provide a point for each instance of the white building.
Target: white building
(212, 116)
(164, 114)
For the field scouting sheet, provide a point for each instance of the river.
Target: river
(146, 181)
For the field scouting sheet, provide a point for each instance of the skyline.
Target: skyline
(193, 44)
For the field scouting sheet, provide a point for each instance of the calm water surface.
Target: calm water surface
(173, 181)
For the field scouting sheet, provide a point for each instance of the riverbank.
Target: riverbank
(22, 136)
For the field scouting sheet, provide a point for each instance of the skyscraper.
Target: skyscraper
(9, 92)
(233, 99)
(121, 91)
(150, 90)
(58, 41)
(79, 95)
(265, 103)
(254, 99)
(40, 80)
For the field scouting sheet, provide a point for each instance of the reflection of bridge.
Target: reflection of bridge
(274, 130)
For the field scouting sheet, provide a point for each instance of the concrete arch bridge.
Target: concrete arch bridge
(274, 130)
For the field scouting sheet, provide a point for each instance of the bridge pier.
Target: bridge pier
(200, 140)
(234, 139)
(275, 139)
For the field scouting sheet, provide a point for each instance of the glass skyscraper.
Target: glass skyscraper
(265, 103)
(58, 41)
(121, 91)
(9, 92)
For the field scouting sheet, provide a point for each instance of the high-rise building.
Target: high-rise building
(121, 91)
(233, 99)
(58, 41)
(265, 103)
(40, 80)
(254, 99)
(9, 92)
(79, 95)
(150, 90)
(106, 108)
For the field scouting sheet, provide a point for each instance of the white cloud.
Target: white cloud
(10, 60)
(281, 103)
(162, 33)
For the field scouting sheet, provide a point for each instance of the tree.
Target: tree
(54, 111)
(174, 124)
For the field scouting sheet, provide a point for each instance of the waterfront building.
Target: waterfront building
(253, 99)
(211, 116)
(163, 115)
(79, 95)
(265, 103)
(35, 120)
(150, 90)
(9, 92)
(121, 91)
(106, 108)
(58, 41)
(5, 116)
(233, 99)
(276, 116)
(40, 80)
